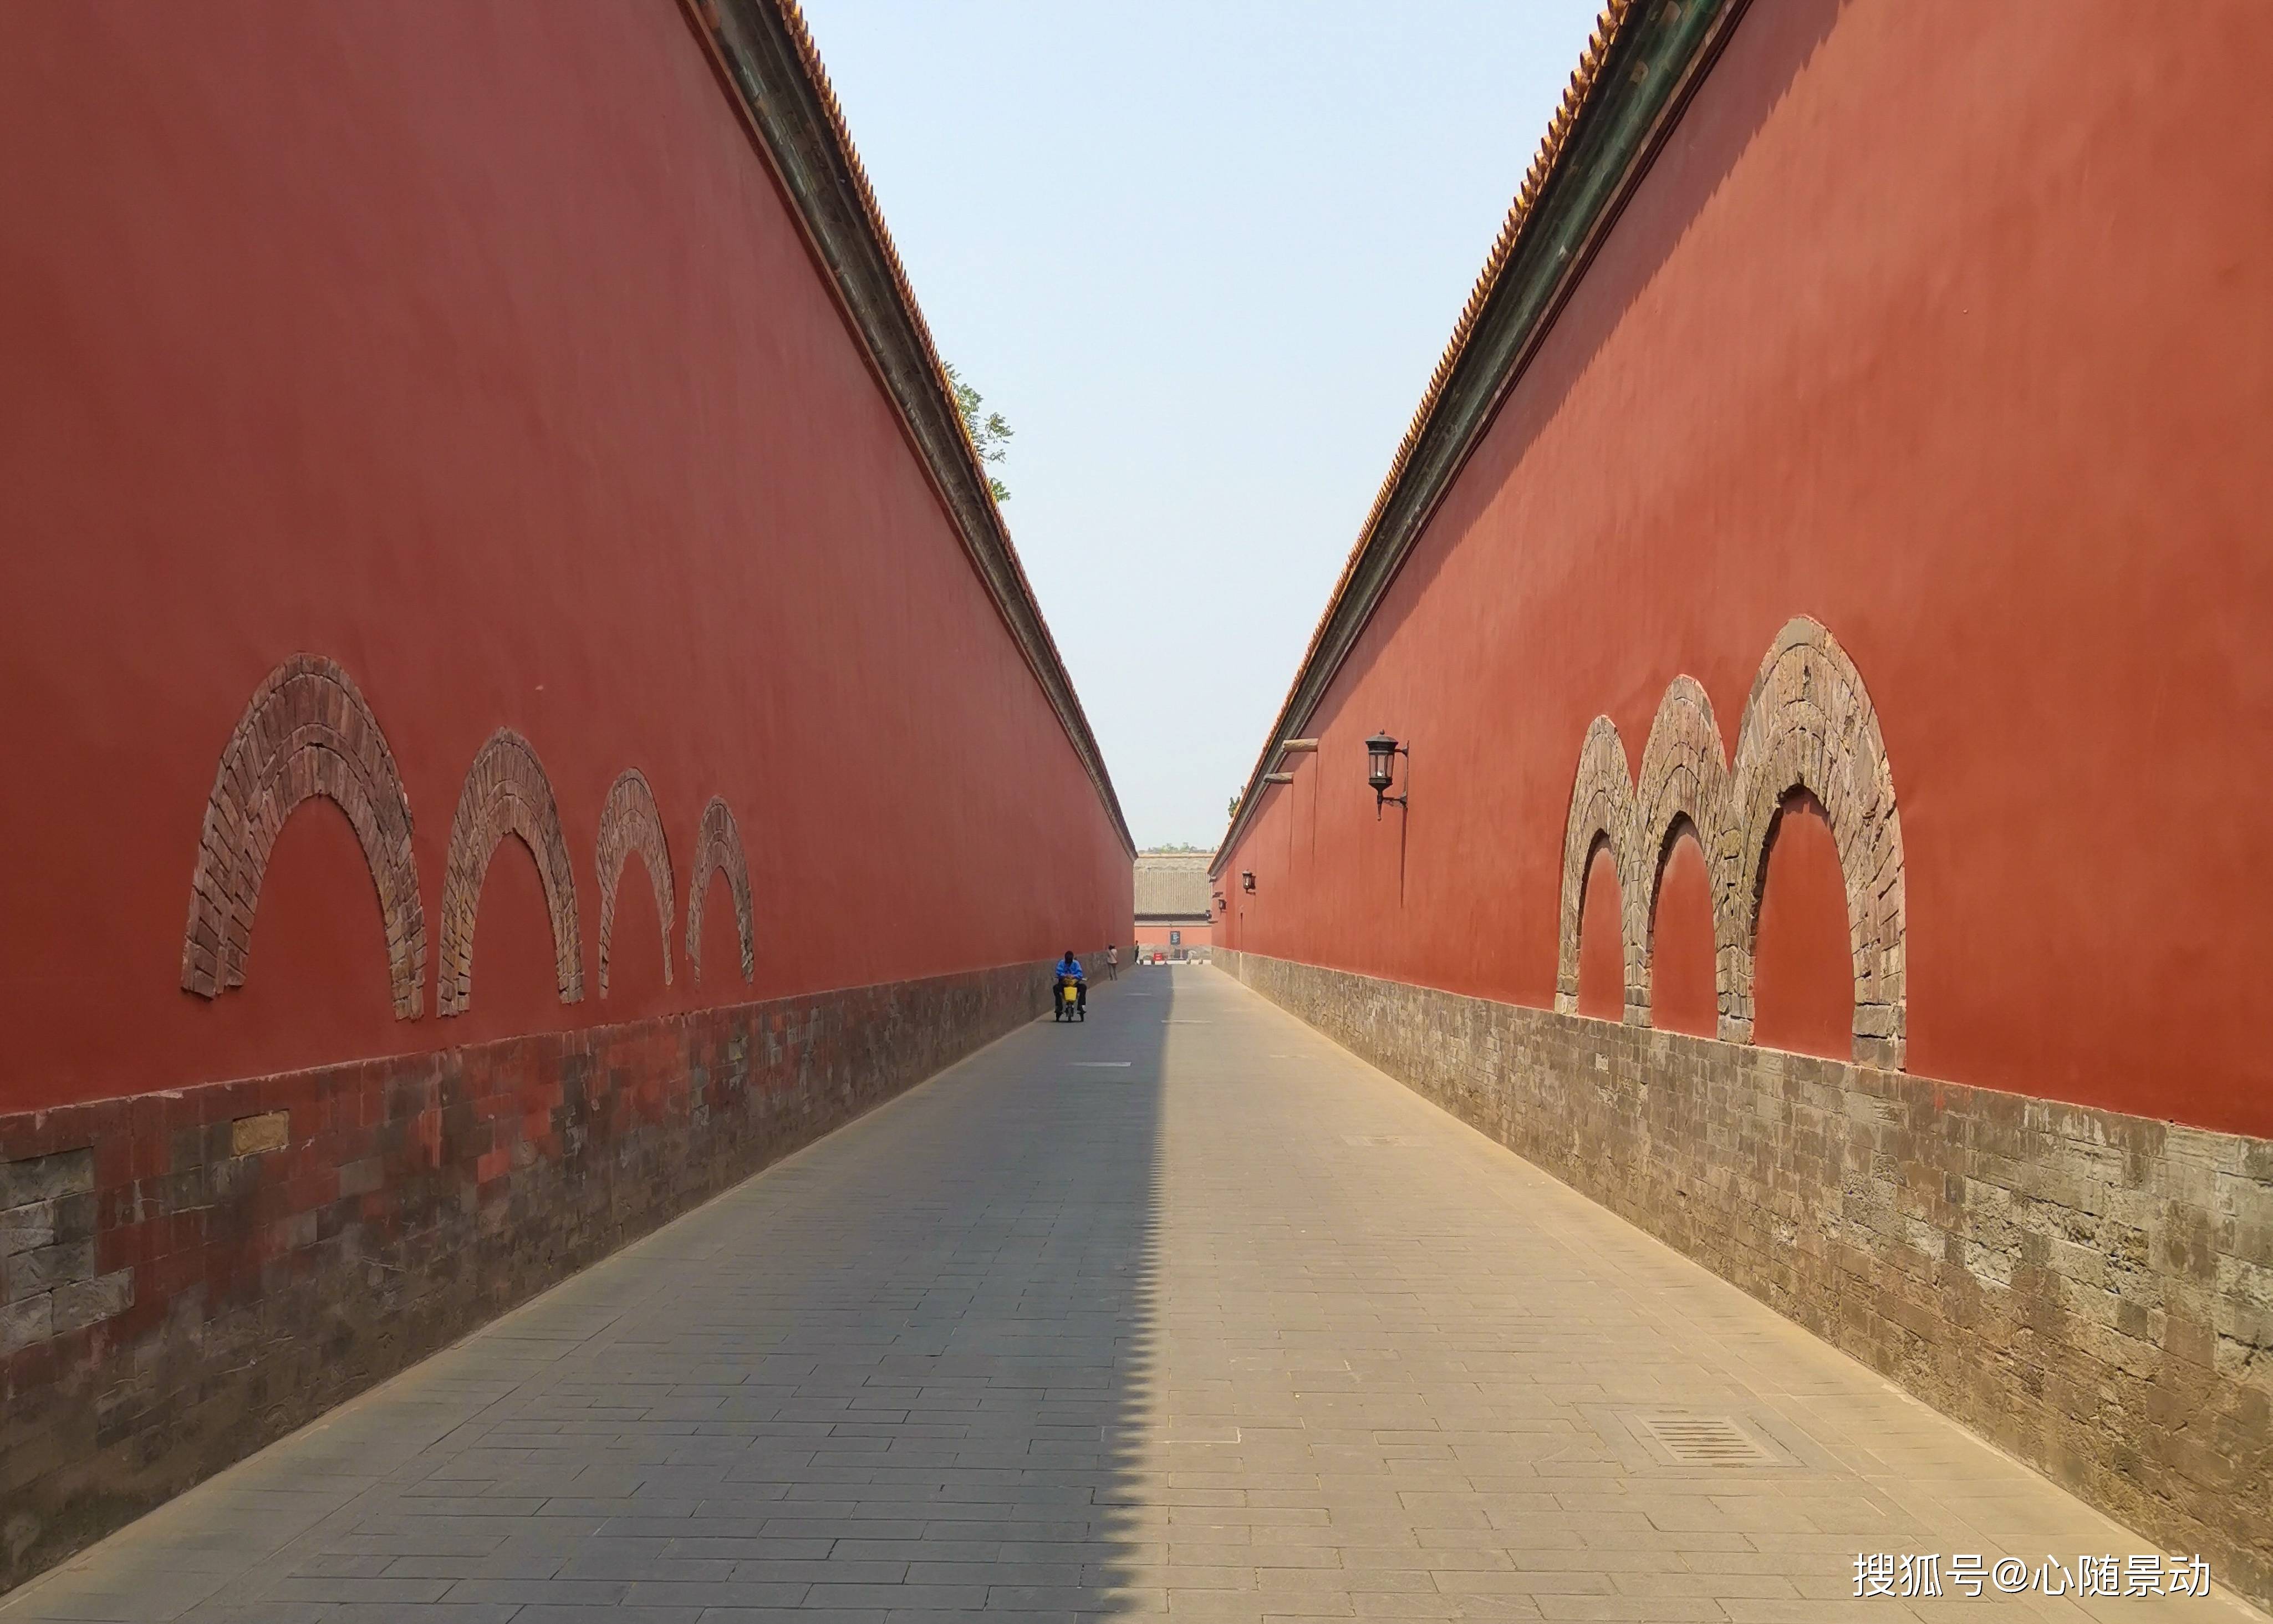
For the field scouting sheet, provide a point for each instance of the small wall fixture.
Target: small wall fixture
(1278, 778)
(1247, 880)
(1295, 747)
(1381, 754)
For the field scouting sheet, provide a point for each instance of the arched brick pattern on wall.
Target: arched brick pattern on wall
(1808, 725)
(630, 823)
(718, 844)
(1683, 777)
(1602, 810)
(507, 793)
(305, 731)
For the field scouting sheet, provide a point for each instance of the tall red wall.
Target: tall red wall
(1949, 328)
(474, 347)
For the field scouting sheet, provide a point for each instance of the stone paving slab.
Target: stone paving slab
(1239, 1330)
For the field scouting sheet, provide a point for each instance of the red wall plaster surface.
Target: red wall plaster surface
(475, 348)
(1942, 325)
(1601, 954)
(1157, 935)
(1683, 996)
(1803, 975)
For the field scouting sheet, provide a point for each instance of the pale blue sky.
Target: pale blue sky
(1204, 258)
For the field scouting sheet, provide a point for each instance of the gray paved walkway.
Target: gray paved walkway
(1180, 1311)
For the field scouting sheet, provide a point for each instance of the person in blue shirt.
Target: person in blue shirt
(1070, 970)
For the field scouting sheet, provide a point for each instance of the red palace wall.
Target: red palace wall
(479, 353)
(431, 413)
(1947, 329)
(1903, 443)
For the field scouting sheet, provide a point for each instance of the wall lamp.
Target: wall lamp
(1381, 754)
(1247, 881)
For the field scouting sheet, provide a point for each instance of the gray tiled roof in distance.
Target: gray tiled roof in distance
(1173, 884)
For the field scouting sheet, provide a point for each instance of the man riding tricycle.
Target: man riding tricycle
(1069, 994)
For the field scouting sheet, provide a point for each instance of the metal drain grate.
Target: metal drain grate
(1379, 1139)
(1705, 1441)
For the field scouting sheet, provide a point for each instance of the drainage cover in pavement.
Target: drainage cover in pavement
(1704, 1441)
(1379, 1139)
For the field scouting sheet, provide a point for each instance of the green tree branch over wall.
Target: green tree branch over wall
(990, 434)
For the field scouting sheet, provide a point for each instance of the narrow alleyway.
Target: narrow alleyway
(1180, 1310)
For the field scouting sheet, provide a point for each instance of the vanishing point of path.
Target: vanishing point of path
(1183, 1311)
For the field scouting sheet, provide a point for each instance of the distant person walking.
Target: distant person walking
(1112, 963)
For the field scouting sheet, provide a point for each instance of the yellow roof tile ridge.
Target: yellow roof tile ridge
(792, 15)
(809, 58)
(1543, 161)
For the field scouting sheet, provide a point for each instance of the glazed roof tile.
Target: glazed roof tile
(767, 59)
(1543, 164)
(1596, 146)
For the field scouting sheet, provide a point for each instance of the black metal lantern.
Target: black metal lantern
(1381, 754)
(1247, 880)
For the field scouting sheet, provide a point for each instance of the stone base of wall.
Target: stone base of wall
(186, 1277)
(2092, 1291)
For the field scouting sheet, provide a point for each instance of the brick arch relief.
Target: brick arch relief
(1683, 793)
(1809, 725)
(1601, 814)
(306, 731)
(718, 844)
(631, 822)
(506, 793)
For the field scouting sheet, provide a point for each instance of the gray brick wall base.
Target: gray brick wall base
(189, 1275)
(2091, 1292)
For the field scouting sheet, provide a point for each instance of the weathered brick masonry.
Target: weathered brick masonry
(2091, 1290)
(185, 1276)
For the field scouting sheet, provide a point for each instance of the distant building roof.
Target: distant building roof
(1173, 885)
